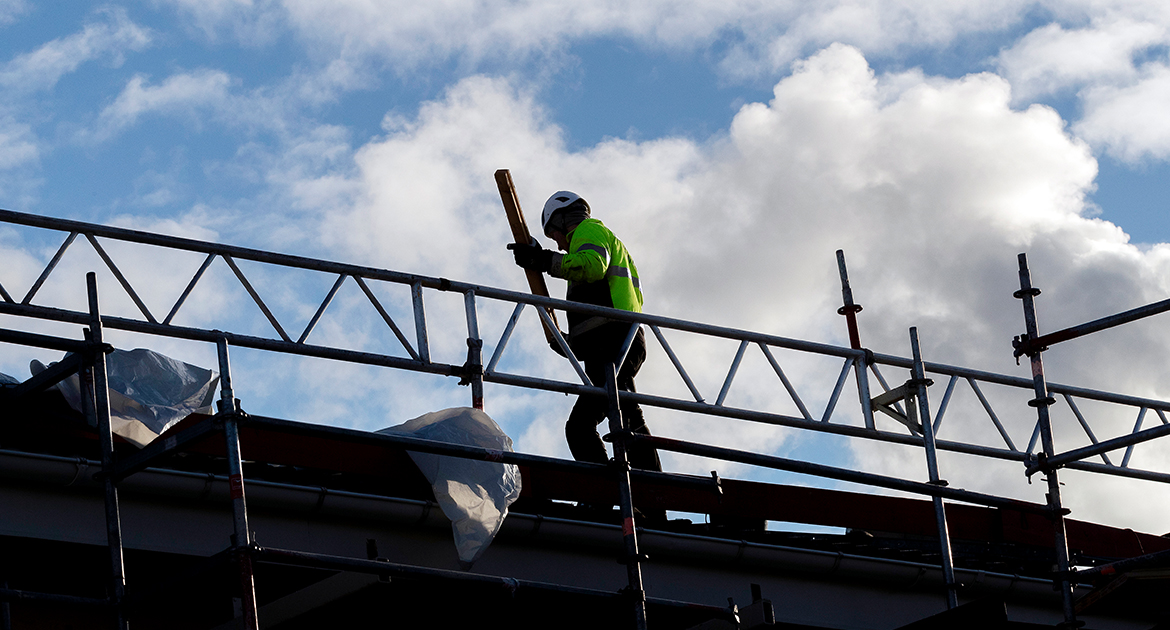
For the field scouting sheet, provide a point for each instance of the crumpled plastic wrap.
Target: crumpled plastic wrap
(149, 392)
(475, 495)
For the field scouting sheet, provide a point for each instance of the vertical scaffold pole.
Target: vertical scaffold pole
(621, 460)
(101, 401)
(1027, 294)
(474, 368)
(242, 538)
(940, 515)
(860, 367)
(420, 322)
(5, 611)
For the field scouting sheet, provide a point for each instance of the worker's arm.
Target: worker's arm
(584, 265)
(588, 257)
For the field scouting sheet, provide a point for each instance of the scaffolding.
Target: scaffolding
(907, 404)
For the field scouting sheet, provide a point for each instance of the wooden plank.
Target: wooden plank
(522, 236)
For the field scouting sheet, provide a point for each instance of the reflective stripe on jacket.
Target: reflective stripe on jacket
(600, 271)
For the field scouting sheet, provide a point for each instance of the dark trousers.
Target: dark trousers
(597, 349)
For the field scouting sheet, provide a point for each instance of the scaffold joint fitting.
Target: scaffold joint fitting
(624, 435)
(1022, 346)
(849, 308)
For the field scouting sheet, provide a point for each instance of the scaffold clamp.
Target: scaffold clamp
(238, 412)
(1022, 345)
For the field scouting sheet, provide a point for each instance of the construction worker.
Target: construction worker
(600, 271)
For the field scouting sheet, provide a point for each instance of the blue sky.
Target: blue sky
(608, 84)
(733, 145)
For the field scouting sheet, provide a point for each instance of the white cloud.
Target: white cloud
(109, 34)
(275, 112)
(17, 143)
(762, 36)
(932, 186)
(20, 151)
(112, 33)
(1103, 49)
(10, 10)
(179, 93)
(1114, 62)
(251, 22)
(875, 26)
(1051, 59)
(1130, 121)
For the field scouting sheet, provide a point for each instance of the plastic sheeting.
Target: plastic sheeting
(149, 392)
(475, 495)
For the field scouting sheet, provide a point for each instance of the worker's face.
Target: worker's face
(561, 239)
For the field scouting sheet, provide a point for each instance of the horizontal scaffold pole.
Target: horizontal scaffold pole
(478, 453)
(1030, 346)
(1101, 447)
(368, 358)
(831, 472)
(506, 584)
(12, 595)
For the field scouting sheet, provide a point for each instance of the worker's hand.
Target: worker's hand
(532, 256)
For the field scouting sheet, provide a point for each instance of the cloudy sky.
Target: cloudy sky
(733, 145)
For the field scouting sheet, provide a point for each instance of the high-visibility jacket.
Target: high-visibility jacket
(600, 271)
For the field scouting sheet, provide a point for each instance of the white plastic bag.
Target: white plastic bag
(149, 392)
(475, 495)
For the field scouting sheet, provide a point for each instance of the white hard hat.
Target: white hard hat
(558, 200)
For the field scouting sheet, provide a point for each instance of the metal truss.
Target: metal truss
(418, 356)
